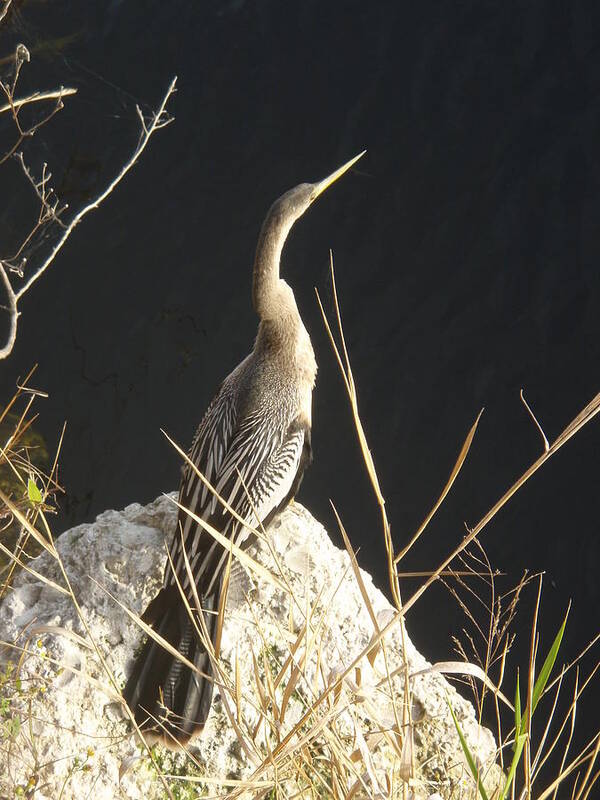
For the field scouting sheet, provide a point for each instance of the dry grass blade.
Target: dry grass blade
(37, 575)
(222, 604)
(588, 413)
(291, 744)
(356, 570)
(302, 633)
(285, 756)
(197, 619)
(61, 631)
(576, 764)
(366, 452)
(453, 475)
(148, 630)
(368, 761)
(201, 629)
(22, 388)
(247, 746)
(584, 416)
(591, 783)
(447, 573)
(464, 668)
(247, 560)
(297, 667)
(406, 708)
(531, 687)
(262, 695)
(290, 688)
(22, 519)
(244, 783)
(238, 687)
(405, 765)
(269, 686)
(256, 531)
(348, 378)
(587, 781)
(537, 424)
(570, 715)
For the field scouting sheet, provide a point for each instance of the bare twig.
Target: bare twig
(13, 315)
(15, 106)
(36, 97)
(50, 208)
(4, 10)
(159, 119)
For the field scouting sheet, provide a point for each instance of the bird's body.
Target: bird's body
(252, 446)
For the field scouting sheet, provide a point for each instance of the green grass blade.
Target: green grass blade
(517, 710)
(468, 756)
(542, 680)
(518, 747)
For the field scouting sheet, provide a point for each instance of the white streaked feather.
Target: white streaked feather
(250, 461)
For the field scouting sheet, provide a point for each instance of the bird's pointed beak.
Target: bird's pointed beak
(326, 182)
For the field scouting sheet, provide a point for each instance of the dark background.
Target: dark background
(466, 247)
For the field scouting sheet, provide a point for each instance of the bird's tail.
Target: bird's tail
(171, 702)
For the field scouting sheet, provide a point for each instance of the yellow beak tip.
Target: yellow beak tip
(326, 182)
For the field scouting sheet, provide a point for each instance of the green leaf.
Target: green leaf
(518, 747)
(12, 726)
(544, 675)
(517, 712)
(521, 720)
(33, 492)
(468, 756)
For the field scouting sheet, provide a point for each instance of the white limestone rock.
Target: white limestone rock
(73, 737)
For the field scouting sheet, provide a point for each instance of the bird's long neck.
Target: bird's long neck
(281, 333)
(271, 299)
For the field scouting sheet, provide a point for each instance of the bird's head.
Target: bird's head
(291, 205)
(271, 296)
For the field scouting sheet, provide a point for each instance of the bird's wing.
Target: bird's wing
(209, 448)
(252, 465)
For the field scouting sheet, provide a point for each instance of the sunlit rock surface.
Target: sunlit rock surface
(72, 735)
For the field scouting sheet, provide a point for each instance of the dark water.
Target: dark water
(466, 244)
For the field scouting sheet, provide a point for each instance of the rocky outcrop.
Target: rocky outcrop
(63, 727)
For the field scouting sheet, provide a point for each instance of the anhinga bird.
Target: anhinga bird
(252, 445)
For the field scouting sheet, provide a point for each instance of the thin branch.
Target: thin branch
(159, 120)
(50, 207)
(12, 106)
(12, 315)
(50, 210)
(36, 97)
(4, 10)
